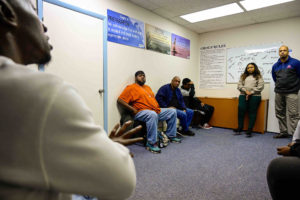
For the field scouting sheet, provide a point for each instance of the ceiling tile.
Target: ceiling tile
(173, 9)
(164, 13)
(145, 4)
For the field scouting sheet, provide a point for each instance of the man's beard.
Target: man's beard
(284, 56)
(141, 83)
(45, 60)
(47, 56)
(40, 59)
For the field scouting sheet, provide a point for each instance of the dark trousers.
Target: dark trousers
(283, 177)
(251, 105)
(207, 109)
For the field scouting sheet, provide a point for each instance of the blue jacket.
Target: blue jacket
(286, 76)
(164, 97)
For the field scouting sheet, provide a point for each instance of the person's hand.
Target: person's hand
(119, 135)
(284, 151)
(291, 144)
(247, 97)
(248, 92)
(202, 104)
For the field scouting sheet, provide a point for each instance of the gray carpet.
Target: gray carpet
(213, 165)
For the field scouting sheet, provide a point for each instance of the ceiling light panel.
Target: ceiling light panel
(212, 13)
(256, 4)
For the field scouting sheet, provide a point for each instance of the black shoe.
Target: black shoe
(248, 134)
(237, 131)
(188, 132)
(281, 135)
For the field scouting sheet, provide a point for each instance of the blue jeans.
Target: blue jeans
(185, 118)
(79, 197)
(151, 119)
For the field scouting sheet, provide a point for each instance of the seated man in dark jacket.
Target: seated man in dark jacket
(188, 93)
(283, 173)
(169, 96)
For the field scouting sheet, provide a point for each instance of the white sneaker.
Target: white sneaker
(207, 126)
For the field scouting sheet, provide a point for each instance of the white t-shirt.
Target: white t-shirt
(296, 135)
(50, 146)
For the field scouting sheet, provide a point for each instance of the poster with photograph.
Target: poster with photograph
(180, 46)
(157, 39)
(125, 30)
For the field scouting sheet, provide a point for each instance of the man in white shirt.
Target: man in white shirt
(50, 146)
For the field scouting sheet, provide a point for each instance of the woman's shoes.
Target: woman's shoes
(237, 131)
(249, 133)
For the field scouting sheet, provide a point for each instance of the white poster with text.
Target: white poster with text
(213, 66)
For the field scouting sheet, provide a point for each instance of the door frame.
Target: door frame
(91, 14)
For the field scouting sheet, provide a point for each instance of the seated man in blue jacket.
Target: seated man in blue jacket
(169, 96)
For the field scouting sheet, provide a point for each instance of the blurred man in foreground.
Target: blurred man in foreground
(50, 146)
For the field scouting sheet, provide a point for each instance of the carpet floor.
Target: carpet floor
(212, 165)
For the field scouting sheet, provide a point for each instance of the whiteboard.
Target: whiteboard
(263, 55)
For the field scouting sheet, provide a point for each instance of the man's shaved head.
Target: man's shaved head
(22, 34)
(175, 82)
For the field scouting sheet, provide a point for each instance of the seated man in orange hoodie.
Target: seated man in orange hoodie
(139, 99)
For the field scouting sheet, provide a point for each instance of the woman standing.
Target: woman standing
(250, 85)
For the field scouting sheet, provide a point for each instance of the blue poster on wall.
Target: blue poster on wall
(125, 30)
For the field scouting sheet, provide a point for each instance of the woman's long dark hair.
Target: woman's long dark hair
(256, 74)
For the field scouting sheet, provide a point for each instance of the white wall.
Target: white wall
(285, 31)
(124, 61)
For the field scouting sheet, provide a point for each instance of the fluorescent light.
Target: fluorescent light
(256, 4)
(221, 11)
(261, 50)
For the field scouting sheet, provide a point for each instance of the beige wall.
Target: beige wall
(285, 31)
